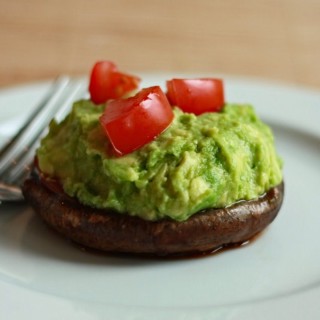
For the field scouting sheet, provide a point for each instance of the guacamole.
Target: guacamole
(206, 161)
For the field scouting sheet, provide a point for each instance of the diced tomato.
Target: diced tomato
(196, 95)
(107, 82)
(133, 122)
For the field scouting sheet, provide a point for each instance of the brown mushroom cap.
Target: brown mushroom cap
(109, 231)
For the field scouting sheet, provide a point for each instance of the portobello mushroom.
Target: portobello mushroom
(110, 231)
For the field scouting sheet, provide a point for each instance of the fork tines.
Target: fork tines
(17, 155)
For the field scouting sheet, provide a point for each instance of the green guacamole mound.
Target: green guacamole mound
(206, 161)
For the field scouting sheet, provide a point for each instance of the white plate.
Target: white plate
(43, 276)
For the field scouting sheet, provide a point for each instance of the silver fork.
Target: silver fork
(16, 157)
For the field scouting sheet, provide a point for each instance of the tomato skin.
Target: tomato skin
(196, 95)
(106, 82)
(131, 123)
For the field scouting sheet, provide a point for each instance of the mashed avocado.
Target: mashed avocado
(211, 160)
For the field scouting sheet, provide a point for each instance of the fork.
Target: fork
(16, 157)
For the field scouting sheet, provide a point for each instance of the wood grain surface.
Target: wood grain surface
(276, 40)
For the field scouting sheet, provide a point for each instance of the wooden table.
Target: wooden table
(273, 39)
